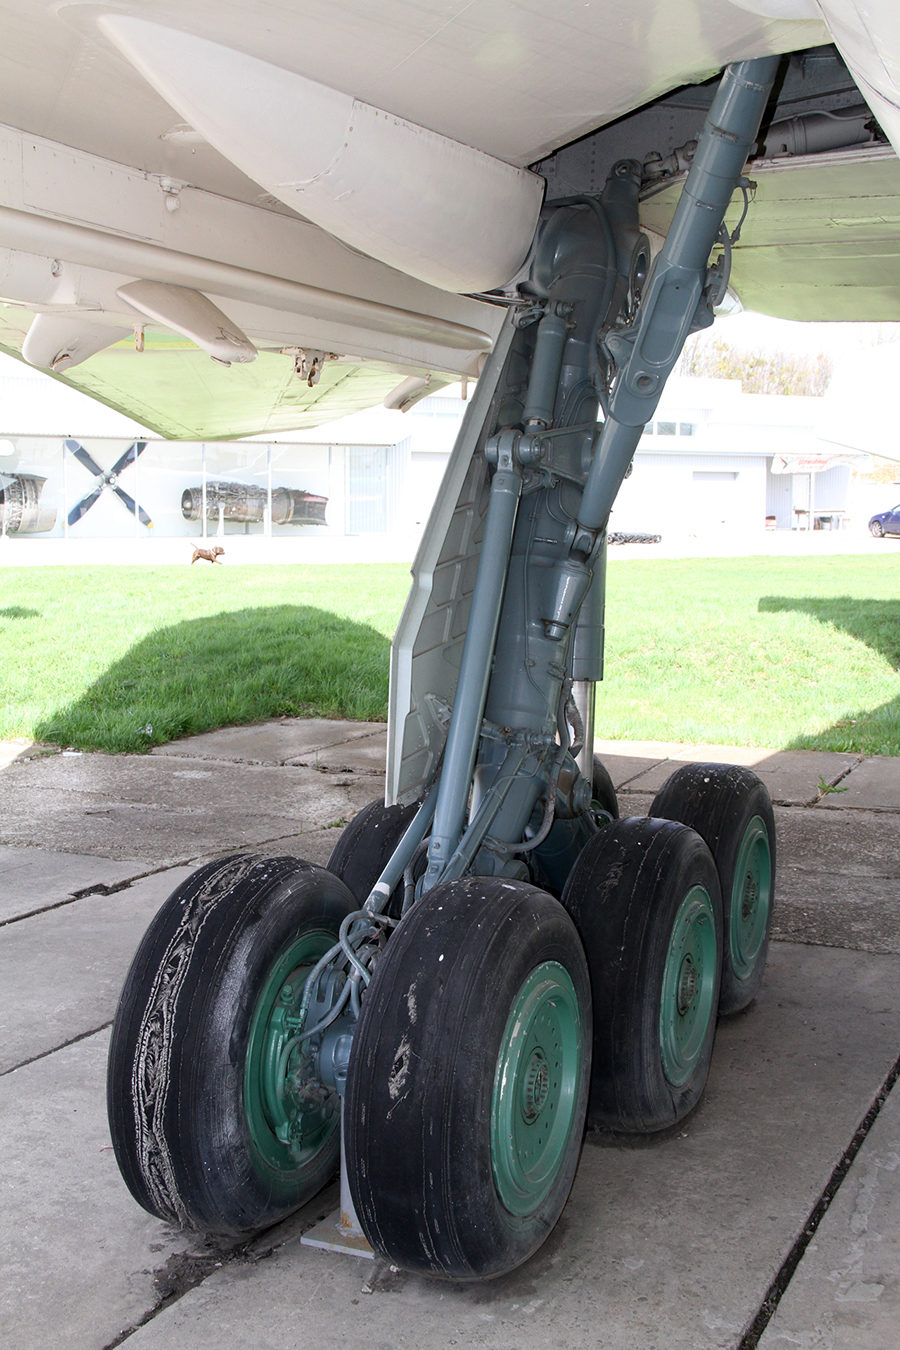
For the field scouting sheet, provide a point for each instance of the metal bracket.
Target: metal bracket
(308, 363)
(341, 1230)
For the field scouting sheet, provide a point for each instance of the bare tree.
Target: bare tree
(760, 372)
(882, 471)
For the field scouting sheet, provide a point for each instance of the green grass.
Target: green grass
(800, 653)
(776, 652)
(124, 659)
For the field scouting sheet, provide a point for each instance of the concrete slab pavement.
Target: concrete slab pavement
(872, 786)
(61, 971)
(673, 1244)
(32, 879)
(289, 740)
(793, 777)
(627, 762)
(839, 878)
(360, 756)
(80, 1260)
(846, 1290)
(167, 811)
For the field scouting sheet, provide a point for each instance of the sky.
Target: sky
(751, 331)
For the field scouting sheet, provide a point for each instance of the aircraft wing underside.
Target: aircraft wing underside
(821, 240)
(328, 201)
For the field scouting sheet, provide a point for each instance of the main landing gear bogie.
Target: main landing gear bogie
(453, 1024)
(498, 1021)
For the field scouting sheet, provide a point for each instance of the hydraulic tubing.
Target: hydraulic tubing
(648, 352)
(381, 892)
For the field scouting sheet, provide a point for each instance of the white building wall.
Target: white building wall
(779, 498)
(704, 466)
(830, 489)
(866, 499)
(690, 494)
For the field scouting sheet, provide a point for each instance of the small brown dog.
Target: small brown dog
(207, 554)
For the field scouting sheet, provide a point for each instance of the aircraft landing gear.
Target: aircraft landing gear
(731, 809)
(444, 988)
(218, 1120)
(645, 899)
(469, 1080)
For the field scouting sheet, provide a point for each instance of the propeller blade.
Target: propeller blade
(84, 505)
(129, 456)
(133, 506)
(84, 458)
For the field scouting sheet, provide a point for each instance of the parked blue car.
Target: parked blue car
(886, 522)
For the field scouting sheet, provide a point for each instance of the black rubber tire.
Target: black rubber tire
(877, 529)
(421, 1081)
(365, 847)
(175, 1085)
(625, 894)
(604, 792)
(721, 802)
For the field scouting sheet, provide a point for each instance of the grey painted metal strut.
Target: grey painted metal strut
(475, 669)
(647, 354)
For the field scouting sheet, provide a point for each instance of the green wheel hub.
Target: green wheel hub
(688, 987)
(290, 1116)
(751, 897)
(535, 1088)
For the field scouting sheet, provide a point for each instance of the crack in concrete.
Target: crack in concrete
(99, 888)
(777, 1289)
(184, 1271)
(848, 806)
(824, 792)
(836, 872)
(113, 887)
(54, 1049)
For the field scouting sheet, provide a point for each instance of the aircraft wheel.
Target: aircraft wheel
(604, 793)
(731, 809)
(645, 899)
(877, 529)
(217, 1125)
(365, 847)
(468, 1080)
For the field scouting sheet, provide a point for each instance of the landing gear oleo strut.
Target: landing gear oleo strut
(494, 958)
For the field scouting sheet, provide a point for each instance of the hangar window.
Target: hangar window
(366, 501)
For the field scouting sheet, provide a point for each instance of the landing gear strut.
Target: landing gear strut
(498, 957)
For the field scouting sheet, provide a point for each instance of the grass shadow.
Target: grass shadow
(228, 669)
(875, 623)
